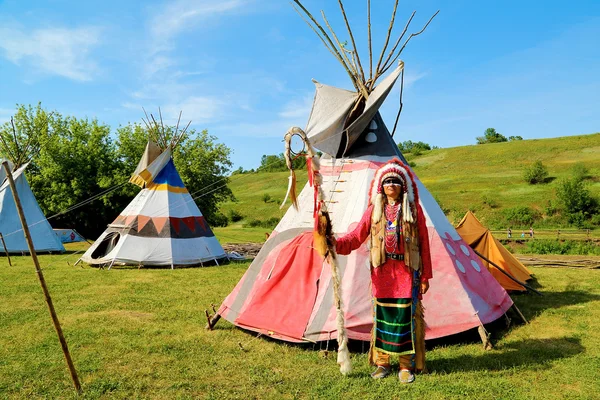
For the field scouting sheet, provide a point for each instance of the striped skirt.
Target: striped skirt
(394, 326)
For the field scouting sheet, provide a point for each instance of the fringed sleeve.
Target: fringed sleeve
(427, 273)
(353, 240)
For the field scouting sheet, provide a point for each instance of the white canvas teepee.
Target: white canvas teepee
(162, 225)
(44, 238)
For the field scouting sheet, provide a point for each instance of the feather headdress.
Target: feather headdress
(397, 169)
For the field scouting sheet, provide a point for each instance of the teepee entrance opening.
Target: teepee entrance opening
(106, 245)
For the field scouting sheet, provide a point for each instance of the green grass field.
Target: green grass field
(460, 178)
(139, 334)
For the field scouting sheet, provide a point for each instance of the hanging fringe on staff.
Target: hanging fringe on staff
(323, 233)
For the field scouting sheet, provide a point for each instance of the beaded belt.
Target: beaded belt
(399, 257)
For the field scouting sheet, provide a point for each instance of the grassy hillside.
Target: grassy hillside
(461, 178)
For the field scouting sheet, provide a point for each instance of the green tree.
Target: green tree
(77, 160)
(415, 148)
(273, 163)
(491, 136)
(513, 138)
(536, 173)
(20, 138)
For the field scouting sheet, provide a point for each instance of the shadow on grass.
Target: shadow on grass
(208, 263)
(532, 305)
(529, 353)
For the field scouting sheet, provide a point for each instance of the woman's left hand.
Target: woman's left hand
(424, 287)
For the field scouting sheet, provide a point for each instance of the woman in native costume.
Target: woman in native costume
(400, 269)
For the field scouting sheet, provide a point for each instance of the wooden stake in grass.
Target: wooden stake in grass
(5, 249)
(61, 338)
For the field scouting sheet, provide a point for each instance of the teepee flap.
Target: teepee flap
(147, 174)
(330, 109)
(373, 103)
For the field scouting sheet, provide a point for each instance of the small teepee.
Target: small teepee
(481, 239)
(44, 238)
(162, 226)
(286, 293)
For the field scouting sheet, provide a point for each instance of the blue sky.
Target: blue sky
(242, 68)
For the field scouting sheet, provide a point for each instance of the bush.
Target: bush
(235, 216)
(550, 209)
(550, 246)
(579, 171)
(257, 223)
(537, 173)
(520, 216)
(576, 201)
(489, 201)
(219, 220)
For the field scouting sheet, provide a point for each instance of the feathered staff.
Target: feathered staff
(323, 233)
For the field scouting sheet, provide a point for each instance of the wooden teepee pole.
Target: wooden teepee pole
(5, 249)
(61, 338)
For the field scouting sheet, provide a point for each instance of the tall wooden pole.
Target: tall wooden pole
(61, 338)
(5, 249)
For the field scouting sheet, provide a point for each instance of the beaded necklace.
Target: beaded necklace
(392, 212)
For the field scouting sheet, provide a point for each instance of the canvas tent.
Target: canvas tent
(286, 293)
(42, 235)
(162, 226)
(481, 239)
(69, 235)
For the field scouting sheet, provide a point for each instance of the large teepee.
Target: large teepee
(481, 239)
(162, 226)
(44, 238)
(286, 292)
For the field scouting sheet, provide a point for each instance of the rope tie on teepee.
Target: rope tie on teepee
(323, 233)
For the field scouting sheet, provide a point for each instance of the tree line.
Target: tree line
(72, 159)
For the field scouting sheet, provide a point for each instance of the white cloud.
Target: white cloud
(294, 113)
(275, 128)
(182, 15)
(57, 51)
(298, 108)
(197, 109)
(410, 78)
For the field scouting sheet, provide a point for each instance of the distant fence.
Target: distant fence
(558, 234)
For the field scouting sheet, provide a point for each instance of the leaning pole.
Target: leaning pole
(61, 338)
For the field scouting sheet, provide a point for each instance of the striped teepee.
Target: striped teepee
(162, 226)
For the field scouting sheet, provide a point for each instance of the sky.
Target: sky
(242, 68)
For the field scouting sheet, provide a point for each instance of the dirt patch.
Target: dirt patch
(552, 260)
(248, 250)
